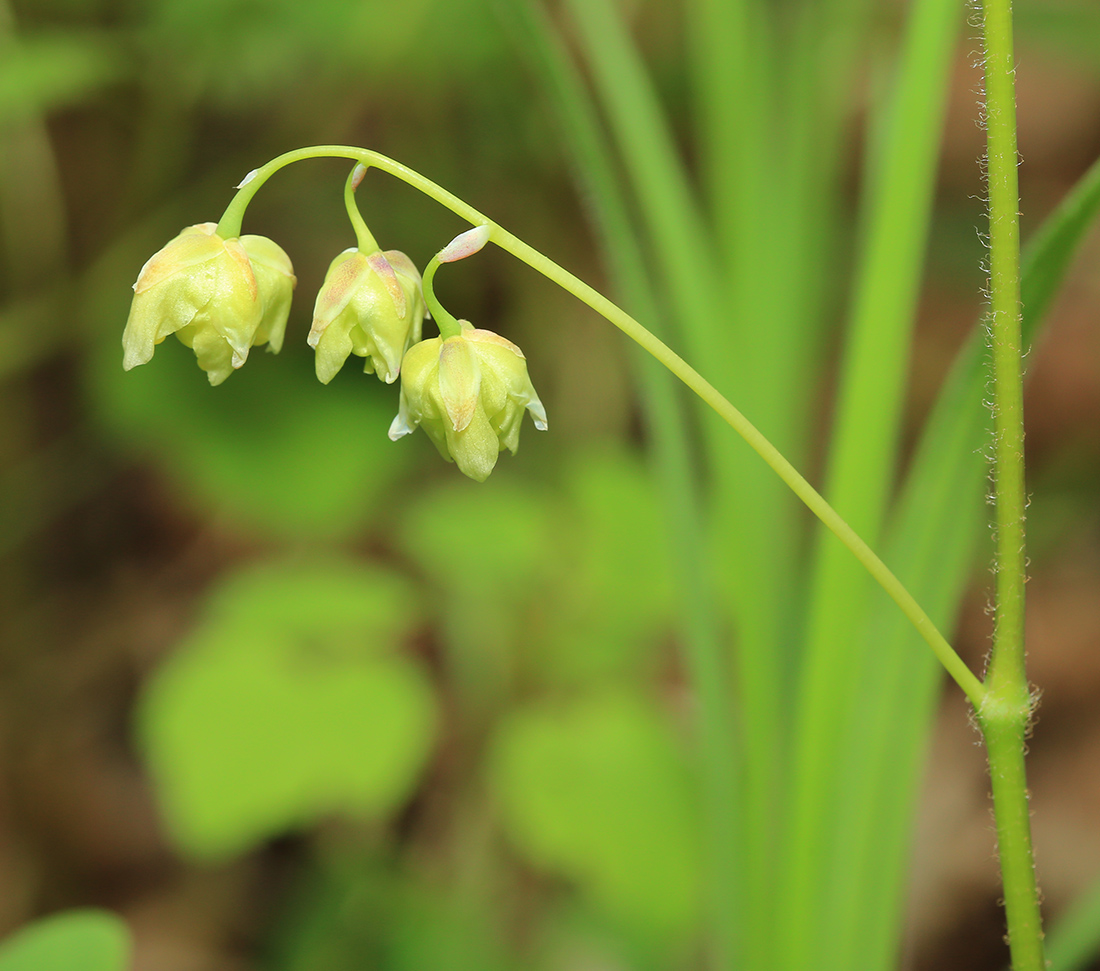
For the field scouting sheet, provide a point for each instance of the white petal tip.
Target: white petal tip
(357, 175)
(133, 357)
(538, 414)
(464, 244)
(248, 178)
(400, 427)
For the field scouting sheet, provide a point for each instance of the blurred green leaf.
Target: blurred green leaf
(74, 940)
(247, 53)
(597, 790)
(1049, 253)
(1073, 943)
(437, 931)
(1070, 28)
(285, 703)
(487, 550)
(47, 71)
(611, 600)
(358, 910)
(469, 538)
(579, 579)
(271, 449)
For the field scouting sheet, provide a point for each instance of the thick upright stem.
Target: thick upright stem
(1006, 710)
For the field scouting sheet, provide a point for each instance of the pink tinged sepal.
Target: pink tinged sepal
(386, 273)
(343, 276)
(464, 244)
(370, 306)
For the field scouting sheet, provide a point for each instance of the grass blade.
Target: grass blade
(934, 537)
(1074, 941)
(667, 421)
(862, 464)
(754, 537)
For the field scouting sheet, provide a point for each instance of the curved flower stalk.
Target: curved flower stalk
(371, 306)
(468, 392)
(469, 388)
(219, 296)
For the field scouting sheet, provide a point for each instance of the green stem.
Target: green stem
(955, 666)
(363, 237)
(1006, 712)
(448, 326)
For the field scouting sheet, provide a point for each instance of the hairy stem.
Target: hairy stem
(1006, 712)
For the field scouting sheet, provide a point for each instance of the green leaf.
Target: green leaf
(862, 466)
(1073, 942)
(597, 790)
(1050, 252)
(932, 541)
(74, 940)
(581, 579)
(612, 598)
(287, 702)
(468, 538)
(271, 449)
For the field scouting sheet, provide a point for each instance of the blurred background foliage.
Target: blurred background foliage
(289, 696)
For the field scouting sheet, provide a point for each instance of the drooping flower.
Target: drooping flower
(371, 306)
(220, 297)
(469, 393)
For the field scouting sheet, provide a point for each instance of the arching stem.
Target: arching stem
(230, 225)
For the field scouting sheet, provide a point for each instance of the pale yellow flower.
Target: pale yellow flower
(469, 393)
(220, 297)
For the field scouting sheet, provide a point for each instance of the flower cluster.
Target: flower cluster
(468, 388)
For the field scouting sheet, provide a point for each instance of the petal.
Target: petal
(401, 425)
(538, 413)
(341, 282)
(381, 266)
(405, 422)
(476, 448)
(459, 381)
(185, 251)
(333, 349)
(239, 255)
(487, 337)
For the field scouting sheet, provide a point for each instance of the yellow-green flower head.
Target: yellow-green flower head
(218, 296)
(468, 393)
(371, 306)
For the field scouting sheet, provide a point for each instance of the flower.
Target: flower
(218, 296)
(371, 306)
(468, 392)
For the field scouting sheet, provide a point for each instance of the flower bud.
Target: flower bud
(468, 393)
(371, 306)
(218, 296)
